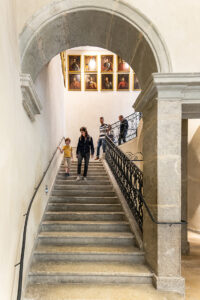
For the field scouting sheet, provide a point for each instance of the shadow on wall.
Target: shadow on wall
(194, 182)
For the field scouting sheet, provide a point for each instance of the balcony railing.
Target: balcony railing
(133, 122)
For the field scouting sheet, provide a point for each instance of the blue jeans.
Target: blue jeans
(101, 142)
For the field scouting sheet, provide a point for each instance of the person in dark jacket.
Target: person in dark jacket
(123, 129)
(84, 147)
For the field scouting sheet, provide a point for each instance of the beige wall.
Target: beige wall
(177, 21)
(26, 148)
(194, 175)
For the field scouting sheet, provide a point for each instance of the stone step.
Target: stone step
(85, 200)
(91, 178)
(84, 216)
(83, 193)
(81, 187)
(90, 172)
(91, 163)
(89, 272)
(112, 226)
(88, 253)
(71, 181)
(90, 168)
(86, 238)
(97, 292)
(83, 207)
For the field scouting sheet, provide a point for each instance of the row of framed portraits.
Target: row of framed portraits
(91, 64)
(107, 82)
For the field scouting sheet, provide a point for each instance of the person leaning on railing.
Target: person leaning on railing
(123, 129)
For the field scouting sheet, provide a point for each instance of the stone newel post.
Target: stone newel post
(161, 106)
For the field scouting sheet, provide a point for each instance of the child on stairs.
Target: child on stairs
(68, 155)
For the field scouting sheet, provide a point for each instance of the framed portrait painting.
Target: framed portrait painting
(74, 82)
(90, 63)
(74, 63)
(123, 82)
(91, 82)
(107, 82)
(107, 63)
(136, 85)
(122, 66)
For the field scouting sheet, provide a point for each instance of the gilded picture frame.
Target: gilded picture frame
(74, 63)
(74, 82)
(107, 82)
(122, 65)
(123, 84)
(107, 63)
(90, 63)
(91, 82)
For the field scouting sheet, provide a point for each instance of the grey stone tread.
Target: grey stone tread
(58, 234)
(97, 292)
(84, 197)
(69, 182)
(84, 213)
(63, 249)
(82, 186)
(87, 268)
(95, 205)
(85, 222)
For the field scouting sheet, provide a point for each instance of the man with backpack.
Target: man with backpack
(123, 129)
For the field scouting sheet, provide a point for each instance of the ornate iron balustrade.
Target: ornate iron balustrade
(129, 178)
(133, 121)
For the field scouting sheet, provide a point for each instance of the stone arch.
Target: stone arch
(107, 24)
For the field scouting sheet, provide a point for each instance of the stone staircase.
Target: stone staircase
(84, 238)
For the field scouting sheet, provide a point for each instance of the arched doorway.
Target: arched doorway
(113, 26)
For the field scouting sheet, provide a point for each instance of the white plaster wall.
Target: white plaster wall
(84, 108)
(25, 147)
(177, 21)
(194, 175)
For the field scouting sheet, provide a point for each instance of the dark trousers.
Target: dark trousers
(122, 137)
(101, 142)
(86, 158)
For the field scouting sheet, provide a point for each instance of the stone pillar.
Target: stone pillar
(184, 181)
(160, 104)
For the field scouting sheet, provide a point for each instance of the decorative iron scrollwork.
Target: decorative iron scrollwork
(129, 178)
(133, 121)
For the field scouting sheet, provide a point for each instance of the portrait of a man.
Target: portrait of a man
(74, 63)
(74, 82)
(107, 82)
(122, 66)
(91, 82)
(122, 82)
(106, 63)
(90, 63)
(136, 85)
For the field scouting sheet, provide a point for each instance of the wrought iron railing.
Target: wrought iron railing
(133, 121)
(130, 180)
(21, 263)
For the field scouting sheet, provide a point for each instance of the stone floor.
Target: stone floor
(191, 268)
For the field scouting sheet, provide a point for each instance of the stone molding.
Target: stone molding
(30, 98)
(184, 87)
(31, 34)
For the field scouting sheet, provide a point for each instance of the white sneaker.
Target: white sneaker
(78, 178)
(85, 178)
